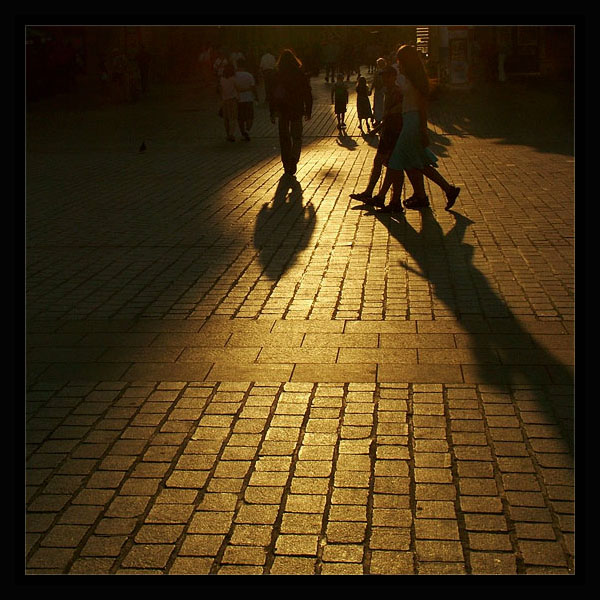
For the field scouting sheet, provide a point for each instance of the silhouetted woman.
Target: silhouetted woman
(290, 101)
(411, 153)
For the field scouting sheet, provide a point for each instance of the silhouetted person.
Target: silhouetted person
(229, 100)
(389, 130)
(290, 102)
(339, 99)
(247, 95)
(363, 104)
(268, 63)
(331, 57)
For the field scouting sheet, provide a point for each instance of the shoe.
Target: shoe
(230, 138)
(361, 196)
(451, 197)
(378, 201)
(246, 136)
(393, 207)
(415, 202)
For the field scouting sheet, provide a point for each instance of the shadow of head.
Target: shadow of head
(283, 227)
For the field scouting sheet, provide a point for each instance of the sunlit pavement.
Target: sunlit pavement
(233, 373)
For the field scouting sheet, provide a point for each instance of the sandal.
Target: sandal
(415, 202)
(451, 197)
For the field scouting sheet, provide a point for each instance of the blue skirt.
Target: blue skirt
(409, 152)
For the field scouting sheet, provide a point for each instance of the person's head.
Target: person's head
(412, 67)
(362, 81)
(381, 63)
(241, 64)
(340, 77)
(288, 61)
(228, 71)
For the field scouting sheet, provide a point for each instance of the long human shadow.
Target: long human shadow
(283, 227)
(505, 352)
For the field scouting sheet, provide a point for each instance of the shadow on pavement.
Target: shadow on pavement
(497, 363)
(534, 113)
(283, 227)
(343, 139)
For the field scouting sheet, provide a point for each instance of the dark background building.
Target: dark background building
(62, 59)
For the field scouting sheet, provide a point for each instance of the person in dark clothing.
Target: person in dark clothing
(290, 101)
(389, 130)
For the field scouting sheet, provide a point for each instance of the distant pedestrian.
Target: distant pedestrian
(235, 56)
(267, 66)
(219, 64)
(389, 129)
(229, 101)
(331, 58)
(363, 104)
(246, 89)
(378, 90)
(339, 99)
(290, 102)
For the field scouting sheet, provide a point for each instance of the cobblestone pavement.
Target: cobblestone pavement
(231, 374)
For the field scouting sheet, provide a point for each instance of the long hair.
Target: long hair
(413, 68)
(288, 61)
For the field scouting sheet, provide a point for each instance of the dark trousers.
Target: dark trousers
(330, 69)
(268, 76)
(290, 142)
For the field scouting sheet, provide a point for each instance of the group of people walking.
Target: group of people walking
(404, 141)
(237, 88)
(398, 115)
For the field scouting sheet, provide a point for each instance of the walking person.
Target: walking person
(267, 69)
(331, 56)
(339, 99)
(363, 104)
(389, 129)
(290, 102)
(411, 153)
(378, 91)
(245, 85)
(229, 101)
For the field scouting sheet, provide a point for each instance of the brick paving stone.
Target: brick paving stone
(218, 387)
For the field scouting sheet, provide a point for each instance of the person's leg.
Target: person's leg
(375, 174)
(296, 142)
(373, 179)
(285, 142)
(451, 191)
(395, 180)
(419, 198)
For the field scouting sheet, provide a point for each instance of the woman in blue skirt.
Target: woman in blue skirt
(411, 153)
